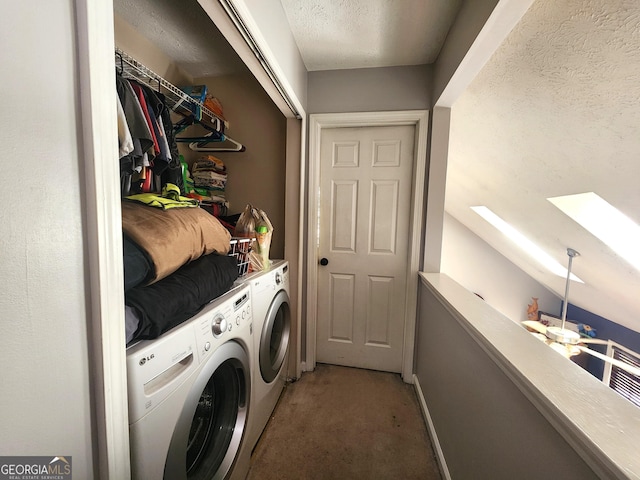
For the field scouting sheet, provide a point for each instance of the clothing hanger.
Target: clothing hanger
(119, 55)
(199, 144)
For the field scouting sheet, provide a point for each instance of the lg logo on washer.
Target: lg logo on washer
(144, 360)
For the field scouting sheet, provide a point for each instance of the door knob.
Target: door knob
(324, 261)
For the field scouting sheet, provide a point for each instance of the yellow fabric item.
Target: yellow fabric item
(170, 198)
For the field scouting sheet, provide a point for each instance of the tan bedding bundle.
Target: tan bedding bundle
(172, 238)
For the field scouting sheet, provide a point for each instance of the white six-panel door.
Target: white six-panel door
(365, 208)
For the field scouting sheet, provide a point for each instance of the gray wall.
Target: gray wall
(45, 406)
(486, 427)
(464, 31)
(369, 89)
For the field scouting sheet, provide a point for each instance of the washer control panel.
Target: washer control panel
(221, 319)
(219, 325)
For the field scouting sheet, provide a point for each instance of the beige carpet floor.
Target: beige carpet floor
(345, 423)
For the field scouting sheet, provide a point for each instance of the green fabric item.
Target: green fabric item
(170, 198)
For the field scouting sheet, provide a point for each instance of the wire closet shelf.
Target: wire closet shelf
(177, 100)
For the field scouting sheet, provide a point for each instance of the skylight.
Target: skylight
(605, 222)
(524, 243)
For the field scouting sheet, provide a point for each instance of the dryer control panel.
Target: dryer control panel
(281, 277)
(242, 310)
(229, 317)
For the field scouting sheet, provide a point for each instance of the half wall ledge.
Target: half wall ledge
(501, 404)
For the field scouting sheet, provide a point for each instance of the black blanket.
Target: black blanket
(178, 297)
(138, 268)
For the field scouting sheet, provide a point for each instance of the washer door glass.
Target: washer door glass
(207, 435)
(274, 339)
(214, 421)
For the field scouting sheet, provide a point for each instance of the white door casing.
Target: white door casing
(319, 125)
(103, 236)
(365, 192)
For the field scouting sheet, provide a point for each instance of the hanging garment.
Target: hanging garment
(135, 117)
(145, 109)
(173, 174)
(125, 141)
(131, 165)
(164, 144)
(155, 107)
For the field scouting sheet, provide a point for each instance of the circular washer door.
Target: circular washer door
(207, 437)
(274, 338)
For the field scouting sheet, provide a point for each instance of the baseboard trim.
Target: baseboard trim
(442, 463)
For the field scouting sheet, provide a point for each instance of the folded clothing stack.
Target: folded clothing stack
(210, 178)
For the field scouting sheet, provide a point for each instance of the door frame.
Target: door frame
(318, 122)
(103, 223)
(103, 239)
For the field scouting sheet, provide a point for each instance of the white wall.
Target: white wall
(480, 27)
(44, 400)
(475, 265)
(370, 89)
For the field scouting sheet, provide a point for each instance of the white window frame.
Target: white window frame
(630, 394)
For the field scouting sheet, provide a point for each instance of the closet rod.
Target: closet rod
(141, 73)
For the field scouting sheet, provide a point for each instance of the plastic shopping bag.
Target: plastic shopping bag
(254, 223)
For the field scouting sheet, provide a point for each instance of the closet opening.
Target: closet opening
(180, 42)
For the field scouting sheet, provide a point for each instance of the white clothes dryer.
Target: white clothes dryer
(272, 332)
(189, 395)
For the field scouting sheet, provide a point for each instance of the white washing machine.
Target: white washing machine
(189, 395)
(272, 334)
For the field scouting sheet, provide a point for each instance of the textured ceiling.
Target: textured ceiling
(184, 32)
(340, 34)
(555, 112)
(331, 34)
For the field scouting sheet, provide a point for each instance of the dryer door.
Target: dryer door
(274, 339)
(207, 438)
